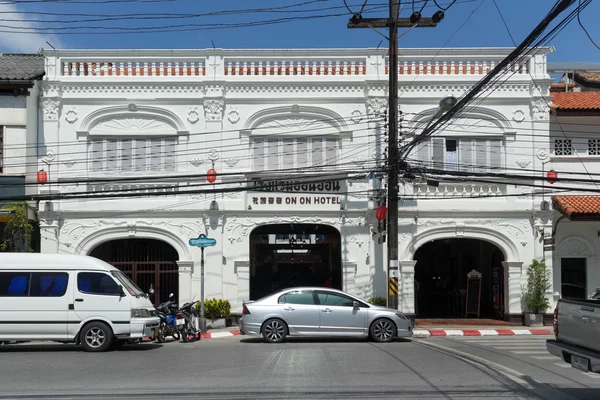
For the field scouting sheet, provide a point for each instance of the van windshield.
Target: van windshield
(128, 284)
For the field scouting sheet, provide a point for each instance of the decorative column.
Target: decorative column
(186, 290)
(406, 300)
(349, 279)
(513, 311)
(242, 270)
(49, 231)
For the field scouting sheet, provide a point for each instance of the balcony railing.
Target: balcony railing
(144, 189)
(459, 190)
(133, 68)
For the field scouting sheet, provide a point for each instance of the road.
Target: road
(243, 368)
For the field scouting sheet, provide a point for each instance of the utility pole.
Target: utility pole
(393, 23)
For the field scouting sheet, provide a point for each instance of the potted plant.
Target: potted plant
(216, 312)
(538, 284)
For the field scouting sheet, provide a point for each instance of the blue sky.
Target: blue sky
(483, 29)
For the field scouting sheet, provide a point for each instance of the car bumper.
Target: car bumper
(405, 332)
(144, 327)
(250, 327)
(566, 351)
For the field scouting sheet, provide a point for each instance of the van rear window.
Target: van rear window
(14, 284)
(33, 284)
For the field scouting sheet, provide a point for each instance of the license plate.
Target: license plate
(180, 321)
(580, 363)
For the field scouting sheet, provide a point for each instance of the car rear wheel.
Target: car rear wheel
(383, 330)
(274, 331)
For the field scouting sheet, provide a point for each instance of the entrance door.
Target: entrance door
(339, 316)
(147, 262)
(573, 278)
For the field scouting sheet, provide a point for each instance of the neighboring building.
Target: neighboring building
(20, 77)
(576, 155)
(164, 118)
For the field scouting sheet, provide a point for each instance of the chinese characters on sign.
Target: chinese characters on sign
(292, 200)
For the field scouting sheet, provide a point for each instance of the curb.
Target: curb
(218, 335)
(423, 333)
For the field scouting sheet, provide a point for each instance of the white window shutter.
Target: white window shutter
(465, 147)
(438, 153)
(302, 152)
(126, 155)
(423, 153)
(170, 154)
(495, 155)
(259, 154)
(111, 155)
(331, 151)
(97, 155)
(481, 155)
(317, 151)
(155, 154)
(288, 153)
(273, 154)
(141, 161)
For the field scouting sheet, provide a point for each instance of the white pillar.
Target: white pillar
(186, 291)
(406, 300)
(513, 271)
(242, 270)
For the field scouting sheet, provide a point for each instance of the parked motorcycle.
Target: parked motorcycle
(191, 325)
(171, 320)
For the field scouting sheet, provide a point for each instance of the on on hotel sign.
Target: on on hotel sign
(281, 193)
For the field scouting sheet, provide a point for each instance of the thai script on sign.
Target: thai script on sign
(297, 186)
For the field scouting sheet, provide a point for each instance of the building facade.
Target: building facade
(296, 139)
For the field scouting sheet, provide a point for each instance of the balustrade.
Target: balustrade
(459, 190)
(134, 68)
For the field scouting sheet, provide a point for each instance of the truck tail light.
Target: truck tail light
(555, 321)
(245, 310)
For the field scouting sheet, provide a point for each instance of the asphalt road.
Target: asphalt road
(243, 368)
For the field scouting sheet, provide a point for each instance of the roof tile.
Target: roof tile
(575, 100)
(578, 207)
(21, 66)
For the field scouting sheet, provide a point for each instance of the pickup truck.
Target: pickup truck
(577, 332)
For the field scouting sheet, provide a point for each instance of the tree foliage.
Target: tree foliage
(18, 229)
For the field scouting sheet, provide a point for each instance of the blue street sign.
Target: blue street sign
(203, 241)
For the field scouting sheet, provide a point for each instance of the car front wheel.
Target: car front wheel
(383, 330)
(274, 331)
(96, 336)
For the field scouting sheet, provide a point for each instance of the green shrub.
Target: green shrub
(538, 283)
(214, 308)
(378, 301)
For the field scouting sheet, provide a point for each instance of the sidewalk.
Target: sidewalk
(462, 330)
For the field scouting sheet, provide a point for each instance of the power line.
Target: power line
(584, 29)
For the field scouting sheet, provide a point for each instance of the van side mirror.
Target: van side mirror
(121, 291)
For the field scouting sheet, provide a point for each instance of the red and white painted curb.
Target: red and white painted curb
(217, 335)
(479, 332)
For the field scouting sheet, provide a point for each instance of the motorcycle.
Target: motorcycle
(191, 325)
(171, 320)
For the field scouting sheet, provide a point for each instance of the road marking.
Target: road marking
(544, 357)
(522, 332)
(503, 341)
(525, 381)
(563, 365)
(488, 332)
(526, 352)
(519, 347)
(453, 332)
(592, 375)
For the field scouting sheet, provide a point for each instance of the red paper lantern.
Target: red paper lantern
(211, 176)
(42, 176)
(381, 213)
(552, 175)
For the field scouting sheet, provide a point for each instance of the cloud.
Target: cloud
(18, 42)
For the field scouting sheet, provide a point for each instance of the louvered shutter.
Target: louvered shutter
(259, 154)
(495, 155)
(155, 155)
(111, 155)
(141, 161)
(273, 154)
(330, 151)
(288, 153)
(170, 154)
(423, 153)
(317, 151)
(97, 155)
(465, 147)
(481, 155)
(302, 152)
(126, 155)
(438, 153)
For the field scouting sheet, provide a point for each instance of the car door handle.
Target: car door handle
(327, 310)
(79, 300)
(587, 309)
(289, 308)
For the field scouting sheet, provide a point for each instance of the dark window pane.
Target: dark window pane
(96, 283)
(48, 284)
(573, 278)
(331, 299)
(297, 298)
(14, 284)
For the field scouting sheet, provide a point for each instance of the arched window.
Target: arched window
(132, 154)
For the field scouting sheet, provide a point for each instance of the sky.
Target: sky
(300, 24)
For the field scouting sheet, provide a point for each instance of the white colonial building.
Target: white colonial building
(154, 122)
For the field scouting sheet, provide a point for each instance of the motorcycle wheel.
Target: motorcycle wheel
(160, 336)
(185, 335)
(176, 335)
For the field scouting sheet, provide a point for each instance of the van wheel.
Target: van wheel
(96, 336)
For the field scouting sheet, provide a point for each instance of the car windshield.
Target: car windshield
(128, 284)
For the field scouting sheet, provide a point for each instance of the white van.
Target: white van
(68, 298)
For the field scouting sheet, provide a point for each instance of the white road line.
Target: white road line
(563, 365)
(519, 347)
(591, 375)
(528, 352)
(545, 357)
(526, 341)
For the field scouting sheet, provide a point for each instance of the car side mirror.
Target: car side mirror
(356, 304)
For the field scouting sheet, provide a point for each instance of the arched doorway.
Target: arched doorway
(289, 255)
(441, 278)
(146, 261)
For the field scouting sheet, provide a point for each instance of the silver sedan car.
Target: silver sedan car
(316, 311)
